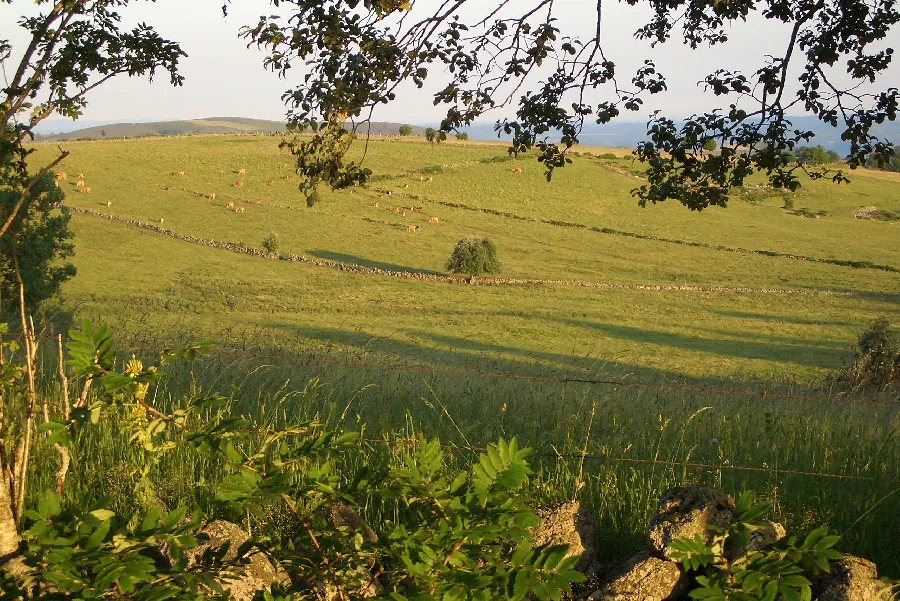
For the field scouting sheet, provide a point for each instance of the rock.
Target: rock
(366, 587)
(642, 577)
(771, 534)
(866, 212)
(341, 515)
(687, 512)
(259, 574)
(851, 579)
(568, 524)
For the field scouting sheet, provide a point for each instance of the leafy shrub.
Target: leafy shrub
(271, 243)
(875, 362)
(43, 243)
(462, 136)
(816, 155)
(726, 570)
(607, 155)
(789, 202)
(312, 199)
(405, 130)
(462, 533)
(474, 256)
(710, 145)
(432, 169)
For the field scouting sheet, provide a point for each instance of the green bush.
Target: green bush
(607, 155)
(875, 362)
(724, 569)
(462, 136)
(312, 199)
(474, 256)
(271, 243)
(405, 130)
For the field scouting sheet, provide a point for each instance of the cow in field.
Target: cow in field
(79, 175)
(238, 184)
(62, 175)
(79, 183)
(86, 190)
(433, 220)
(517, 170)
(177, 173)
(229, 205)
(242, 172)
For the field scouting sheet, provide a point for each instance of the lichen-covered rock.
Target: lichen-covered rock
(341, 515)
(687, 512)
(259, 574)
(365, 586)
(641, 577)
(769, 535)
(568, 524)
(851, 579)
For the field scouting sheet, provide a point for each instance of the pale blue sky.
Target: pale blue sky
(224, 78)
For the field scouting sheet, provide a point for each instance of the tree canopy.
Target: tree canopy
(488, 55)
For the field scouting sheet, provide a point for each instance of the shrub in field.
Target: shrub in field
(42, 243)
(474, 256)
(731, 567)
(313, 198)
(405, 130)
(462, 136)
(271, 243)
(875, 362)
(607, 155)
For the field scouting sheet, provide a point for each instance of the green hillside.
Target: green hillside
(675, 347)
(741, 313)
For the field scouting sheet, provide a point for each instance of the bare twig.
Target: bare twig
(342, 596)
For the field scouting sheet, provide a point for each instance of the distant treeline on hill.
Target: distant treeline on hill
(213, 125)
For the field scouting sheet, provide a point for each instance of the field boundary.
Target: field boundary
(615, 232)
(354, 268)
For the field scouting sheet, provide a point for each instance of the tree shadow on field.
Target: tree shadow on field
(363, 262)
(810, 321)
(788, 350)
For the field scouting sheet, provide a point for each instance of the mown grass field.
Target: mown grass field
(785, 331)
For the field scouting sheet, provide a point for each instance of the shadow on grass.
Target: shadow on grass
(344, 258)
(785, 349)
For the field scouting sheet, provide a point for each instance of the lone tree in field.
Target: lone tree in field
(356, 55)
(405, 130)
(474, 256)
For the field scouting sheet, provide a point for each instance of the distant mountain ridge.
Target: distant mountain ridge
(210, 125)
(625, 134)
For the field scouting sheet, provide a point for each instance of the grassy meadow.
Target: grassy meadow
(774, 324)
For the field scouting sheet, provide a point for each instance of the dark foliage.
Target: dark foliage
(474, 256)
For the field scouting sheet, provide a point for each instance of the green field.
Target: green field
(670, 314)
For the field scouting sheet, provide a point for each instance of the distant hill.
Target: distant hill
(212, 125)
(627, 134)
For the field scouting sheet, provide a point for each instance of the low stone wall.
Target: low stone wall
(449, 279)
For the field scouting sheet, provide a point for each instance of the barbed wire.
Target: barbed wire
(296, 359)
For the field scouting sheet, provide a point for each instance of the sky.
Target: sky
(225, 78)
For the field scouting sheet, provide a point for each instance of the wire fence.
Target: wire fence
(554, 454)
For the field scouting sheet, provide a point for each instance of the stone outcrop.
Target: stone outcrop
(641, 577)
(568, 524)
(851, 579)
(259, 574)
(686, 513)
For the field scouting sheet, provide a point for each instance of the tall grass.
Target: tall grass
(661, 425)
